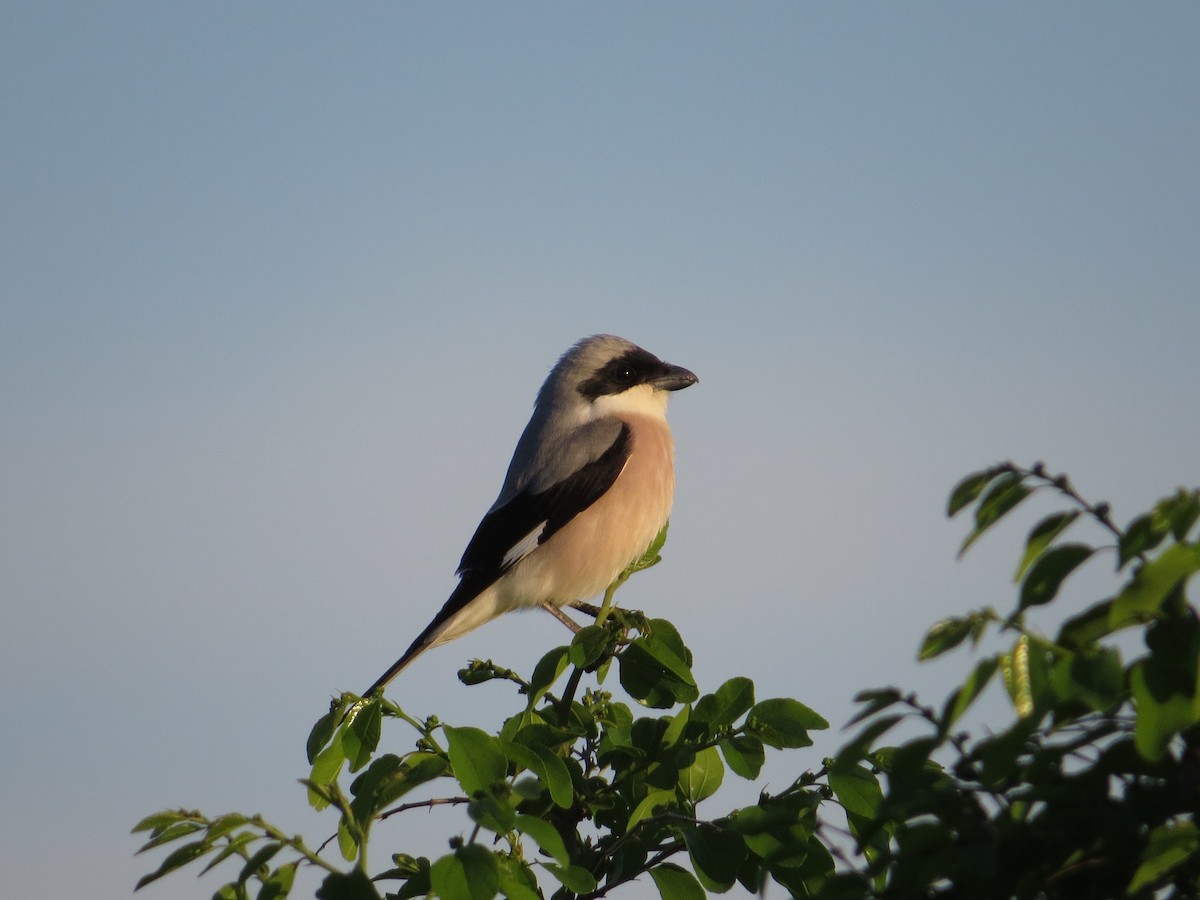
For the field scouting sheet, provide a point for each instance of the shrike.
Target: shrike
(589, 487)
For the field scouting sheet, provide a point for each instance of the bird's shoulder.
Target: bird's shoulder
(574, 473)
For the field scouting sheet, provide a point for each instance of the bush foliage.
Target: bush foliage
(1090, 790)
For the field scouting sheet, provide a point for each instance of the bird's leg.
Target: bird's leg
(561, 616)
(589, 609)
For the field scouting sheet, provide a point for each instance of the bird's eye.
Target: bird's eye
(624, 375)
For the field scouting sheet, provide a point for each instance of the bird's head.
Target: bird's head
(606, 375)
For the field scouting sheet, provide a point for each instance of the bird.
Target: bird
(589, 487)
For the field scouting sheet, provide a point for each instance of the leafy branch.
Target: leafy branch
(1089, 789)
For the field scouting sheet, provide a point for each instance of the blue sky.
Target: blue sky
(279, 283)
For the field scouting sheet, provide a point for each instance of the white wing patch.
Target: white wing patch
(523, 547)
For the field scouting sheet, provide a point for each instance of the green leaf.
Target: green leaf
(998, 755)
(181, 856)
(361, 735)
(724, 707)
(1180, 511)
(744, 754)
(857, 789)
(652, 555)
(1152, 582)
(347, 840)
(279, 882)
(415, 874)
(575, 879)
(655, 674)
(960, 701)
(1026, 676)
(259, 860)
(876, 701)
(1161, 713)
(1047, 574)
(676, 725)
(495, 809)
(352, 885)
(1168, 846)
(546, 837)
(477, 758)
(172, 833)
(222, 825)
(653, 803)
(548, 766)
(1141, 536)
(778, 835)
(675, 883)
(1084, 630)
(390, 777)
(1042, 535)
(783, 722)
(325, 770)
(814, 876)
(158, 821)
(971, 487)
(589, 645)
(1001, 498)
(945, 635)
(471, 872)
(666, 634)
(546, 672)
(716, 855)
(239, 845)
(1095, 678)
(517, 882)
(703, 777)
(322, 731)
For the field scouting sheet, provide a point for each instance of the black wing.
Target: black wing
(511, 531)
(529, 519)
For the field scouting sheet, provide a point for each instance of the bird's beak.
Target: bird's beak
(673, 378)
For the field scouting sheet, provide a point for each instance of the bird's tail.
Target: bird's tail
(467, 608)
(419, 646)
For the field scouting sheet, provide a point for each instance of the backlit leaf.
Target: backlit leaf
(181, 856)
(1095, 678)
(469, 873)
(548, 766)
(961, 700)
(675, 883)
(1153, 581)
(1001, 497)
(856, 789)
(477, 758)
(724, 707)
(703, 777)
(943, 636)
(1141, 536)
(1159, 717)
(576, 879)
(744, 755)
(716, 855)
(360, 736)
(971, 487)
(1168, 846)
(1047, 574)
(588, 645)
(783, 722)
(352, 885)
(654, 802)
(546, 837)
(321, 732)
(1042, 535)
